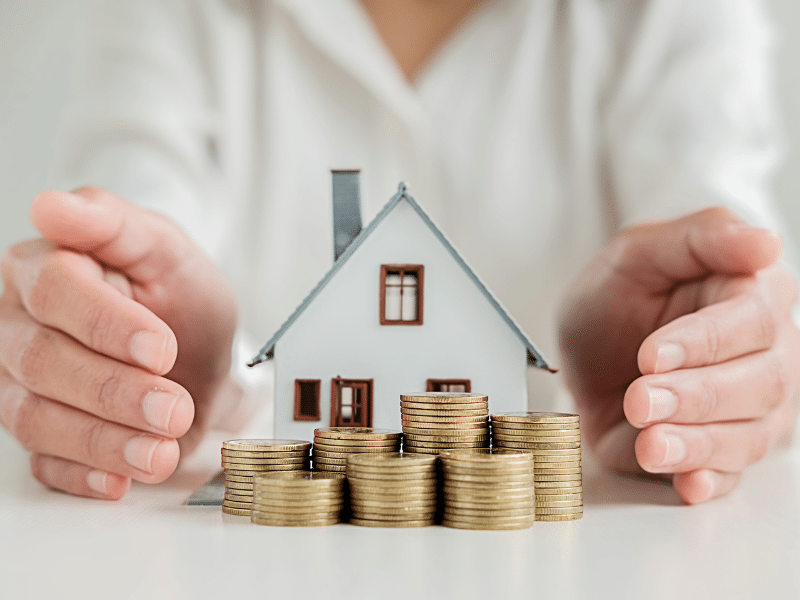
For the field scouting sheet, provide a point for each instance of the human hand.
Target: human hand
(115, 334)
(681, 352)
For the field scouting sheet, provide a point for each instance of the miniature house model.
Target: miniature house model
(399, 312)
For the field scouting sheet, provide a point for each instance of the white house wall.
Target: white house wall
(339, 333)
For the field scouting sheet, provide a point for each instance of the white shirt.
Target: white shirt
(535, 133)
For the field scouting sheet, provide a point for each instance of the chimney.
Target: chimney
(346, 209)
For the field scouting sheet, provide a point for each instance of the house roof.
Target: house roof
(533, 355)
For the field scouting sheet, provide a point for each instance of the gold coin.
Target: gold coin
(300, 479)
(573, 517)
(451, 411)
(444, 397)
(356, 433)
(522, 504)
(552, 470)
(487, 527)
(279, 495)
(348, 442)
(558, 503)
(330, 461)
(481, 425)
(253, 473)
(489, 494)
(407, 505)
(391, 460)
(409, 477)
(389, 512)
(426, 451)
(563, 510)
(489, 456)
(519, 472)
(321, 468)
(239, 478)
(273, 455)
(562, 490)
(531, 447)
(234, 504)
(279, 522)
(564, 478)
(231, 495)
(488, 520)
(394, 499)
(298, 510)
(263, 468)
(238, 512)
(546, 445)
(266, 445)
(448, 445)
(536, 436)
(536, 417)
(459, 511)
(340, 455)
(410, 419)
(467, 486)
(543, 485)
(264, 461)
(393, 447)
(273, 499)
(446, 439)
(395, 524)
(235, 485)
(489, 479)
(538, 428)
(397, 486)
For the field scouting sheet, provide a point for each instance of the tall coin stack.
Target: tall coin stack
(487, 490)
(242, 460)
(437, 421)
(392, 490)
(303, 499)
(554, 439)
(332, 445)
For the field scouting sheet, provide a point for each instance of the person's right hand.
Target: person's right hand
(92, 317)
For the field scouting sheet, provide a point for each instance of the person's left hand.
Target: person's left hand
(681, 352)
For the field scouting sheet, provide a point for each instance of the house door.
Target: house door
(351, 402)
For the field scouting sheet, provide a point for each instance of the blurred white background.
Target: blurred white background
(34, 70)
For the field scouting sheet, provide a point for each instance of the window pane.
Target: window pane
(410, 279)
(392, 312)
(409, 303)
(309, 402)
(393, 278)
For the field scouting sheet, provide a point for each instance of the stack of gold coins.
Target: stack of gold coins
(437, 421)
(301, 499)
(554, 439)
(332, 445)
(242, 460)
(487, 490)
(392, 490)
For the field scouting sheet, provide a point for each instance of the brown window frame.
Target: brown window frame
(336, 385)
(419, 270)
(430, 385)
(298, 416)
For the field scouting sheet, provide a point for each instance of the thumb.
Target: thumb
(143, 245)
(711, 241)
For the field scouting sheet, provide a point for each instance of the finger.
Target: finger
(78, 479)
(657, 256)
(730, 447)
(728, 329)
(55, 366)
(144, 245)
(704, 484)
(742, 388)
(47, 427)
(69, 292)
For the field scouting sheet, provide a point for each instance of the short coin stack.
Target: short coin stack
(302, 499)
(487, 490)
(392, 490)
(242, 460)
(554, 439)
(332, 445)
(437, 421)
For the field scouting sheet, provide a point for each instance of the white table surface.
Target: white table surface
(636, 540)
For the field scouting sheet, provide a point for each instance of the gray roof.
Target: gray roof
(268, 351)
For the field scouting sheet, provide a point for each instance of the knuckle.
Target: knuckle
(33, 356)
(713, 337)
(106, 390)
(767, 326)
(25, 426)
(91, 446)
(99, 323)
(42, 289)
(780, 381)
(705, 402)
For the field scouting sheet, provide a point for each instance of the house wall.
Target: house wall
(339, 334)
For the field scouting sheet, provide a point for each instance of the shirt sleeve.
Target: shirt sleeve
(693, 121)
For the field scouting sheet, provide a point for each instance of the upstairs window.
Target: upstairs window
(402, 294)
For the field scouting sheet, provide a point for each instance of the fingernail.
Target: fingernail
(676, 451)
(158, 407)
(148, 348)
(669, 356)
(139, 452)
(97, 480)
(663, 404)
